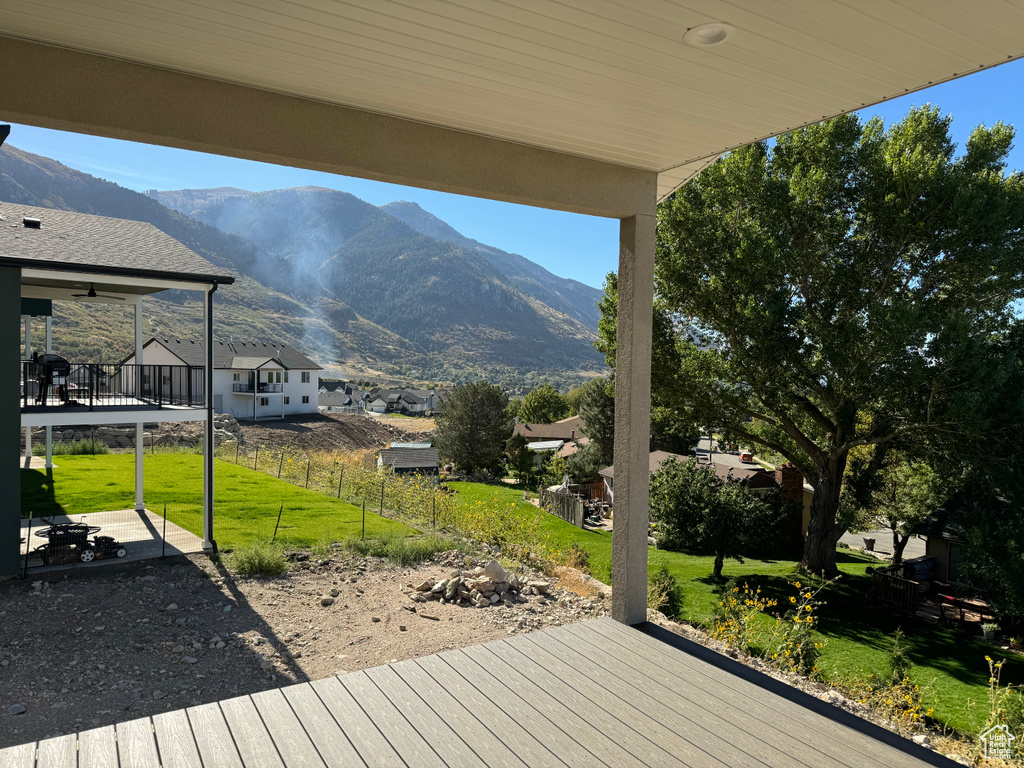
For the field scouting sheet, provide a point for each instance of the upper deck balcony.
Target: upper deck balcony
(55, 384)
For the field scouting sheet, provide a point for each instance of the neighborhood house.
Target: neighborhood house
(251, 379)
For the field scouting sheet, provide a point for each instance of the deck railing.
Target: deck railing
(70, 386)
(894, 590)
(262, 387)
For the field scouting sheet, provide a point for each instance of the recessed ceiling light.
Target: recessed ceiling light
(712, 33)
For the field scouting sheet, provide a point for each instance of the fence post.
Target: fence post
(307, 471)
(364, 518)
(256, 459)
(433, 503)
(163, 538)
(341, 479)
(278, 522)
(238, 444)
(280, 465)
(382, 497)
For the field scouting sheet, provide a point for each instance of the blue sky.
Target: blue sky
(581, 247)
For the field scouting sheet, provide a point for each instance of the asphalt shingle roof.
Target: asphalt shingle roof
(81, 239)
(410, 458)
(236, 355)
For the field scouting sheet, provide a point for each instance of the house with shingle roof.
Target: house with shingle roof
(251, 379)
(49, 256)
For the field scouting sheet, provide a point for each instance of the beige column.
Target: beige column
(27, 459)
(49, 427)
(632, 418)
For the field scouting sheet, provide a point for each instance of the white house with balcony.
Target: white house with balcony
(251, 379)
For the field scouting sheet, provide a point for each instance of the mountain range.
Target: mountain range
(363, 289)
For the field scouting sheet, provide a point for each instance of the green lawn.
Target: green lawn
(246, 502)
(949, 664)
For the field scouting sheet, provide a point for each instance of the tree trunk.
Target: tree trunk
(719, 562)
(899, 543)
(820, 545)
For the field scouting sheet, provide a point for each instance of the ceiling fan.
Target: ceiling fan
(93, 295)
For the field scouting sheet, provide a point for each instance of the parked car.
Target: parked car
(746, 457)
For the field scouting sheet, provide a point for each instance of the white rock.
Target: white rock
(922, 739)
(495, 572)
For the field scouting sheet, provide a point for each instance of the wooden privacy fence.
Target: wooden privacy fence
(894, 590)
(563, 505)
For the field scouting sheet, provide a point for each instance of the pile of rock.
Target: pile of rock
(481, 587)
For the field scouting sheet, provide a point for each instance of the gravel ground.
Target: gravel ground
(80, 650)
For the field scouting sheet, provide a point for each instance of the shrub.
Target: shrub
(577, 557)
(402, 550)
(72, 448)
(259, 559)
(735, 621)
(899, 663)
(664, 593)
(797, 650)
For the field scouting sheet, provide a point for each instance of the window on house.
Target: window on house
(286, 377)
(264, 401)
(287, 400)
(236, 377)
(305, 377)
(305, 399)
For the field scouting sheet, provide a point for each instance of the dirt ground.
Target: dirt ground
(310, 432)
(84, 649)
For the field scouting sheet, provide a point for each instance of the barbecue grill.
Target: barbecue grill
(76, 542)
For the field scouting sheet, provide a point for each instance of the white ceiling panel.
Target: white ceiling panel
(605, 79)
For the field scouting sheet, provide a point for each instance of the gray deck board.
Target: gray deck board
(366, 737)
(175, 741)
(492, 751)
(406, 740)
(858, 749)
(213, 737)
(672, 734)
(569, 749)
(553, 710)
(136, 747)
(627, 739)
(61, 752)
(255, 746)
(590, 694)
(20, 756)
(328, 737)
(430, 724)
(290, 738)
(753, 735)
(513, 735)
(98, 748)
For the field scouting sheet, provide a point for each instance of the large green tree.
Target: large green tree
(696, 511)
(842, 288)
(473, 427)
(543, 405)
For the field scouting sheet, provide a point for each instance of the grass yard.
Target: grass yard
(246, 502)
(948, 664)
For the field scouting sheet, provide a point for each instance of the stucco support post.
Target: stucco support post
(10, 422)
(209, 544)
(632, 418)
(140, 448)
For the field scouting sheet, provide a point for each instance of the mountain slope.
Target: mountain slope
(308, 319)
(567, 296)
(439, 295)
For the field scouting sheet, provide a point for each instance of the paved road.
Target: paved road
(724, 459)
(883, 543)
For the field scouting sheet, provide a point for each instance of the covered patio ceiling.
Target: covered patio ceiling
(598, 79)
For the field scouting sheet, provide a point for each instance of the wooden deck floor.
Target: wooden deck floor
(590, 694)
